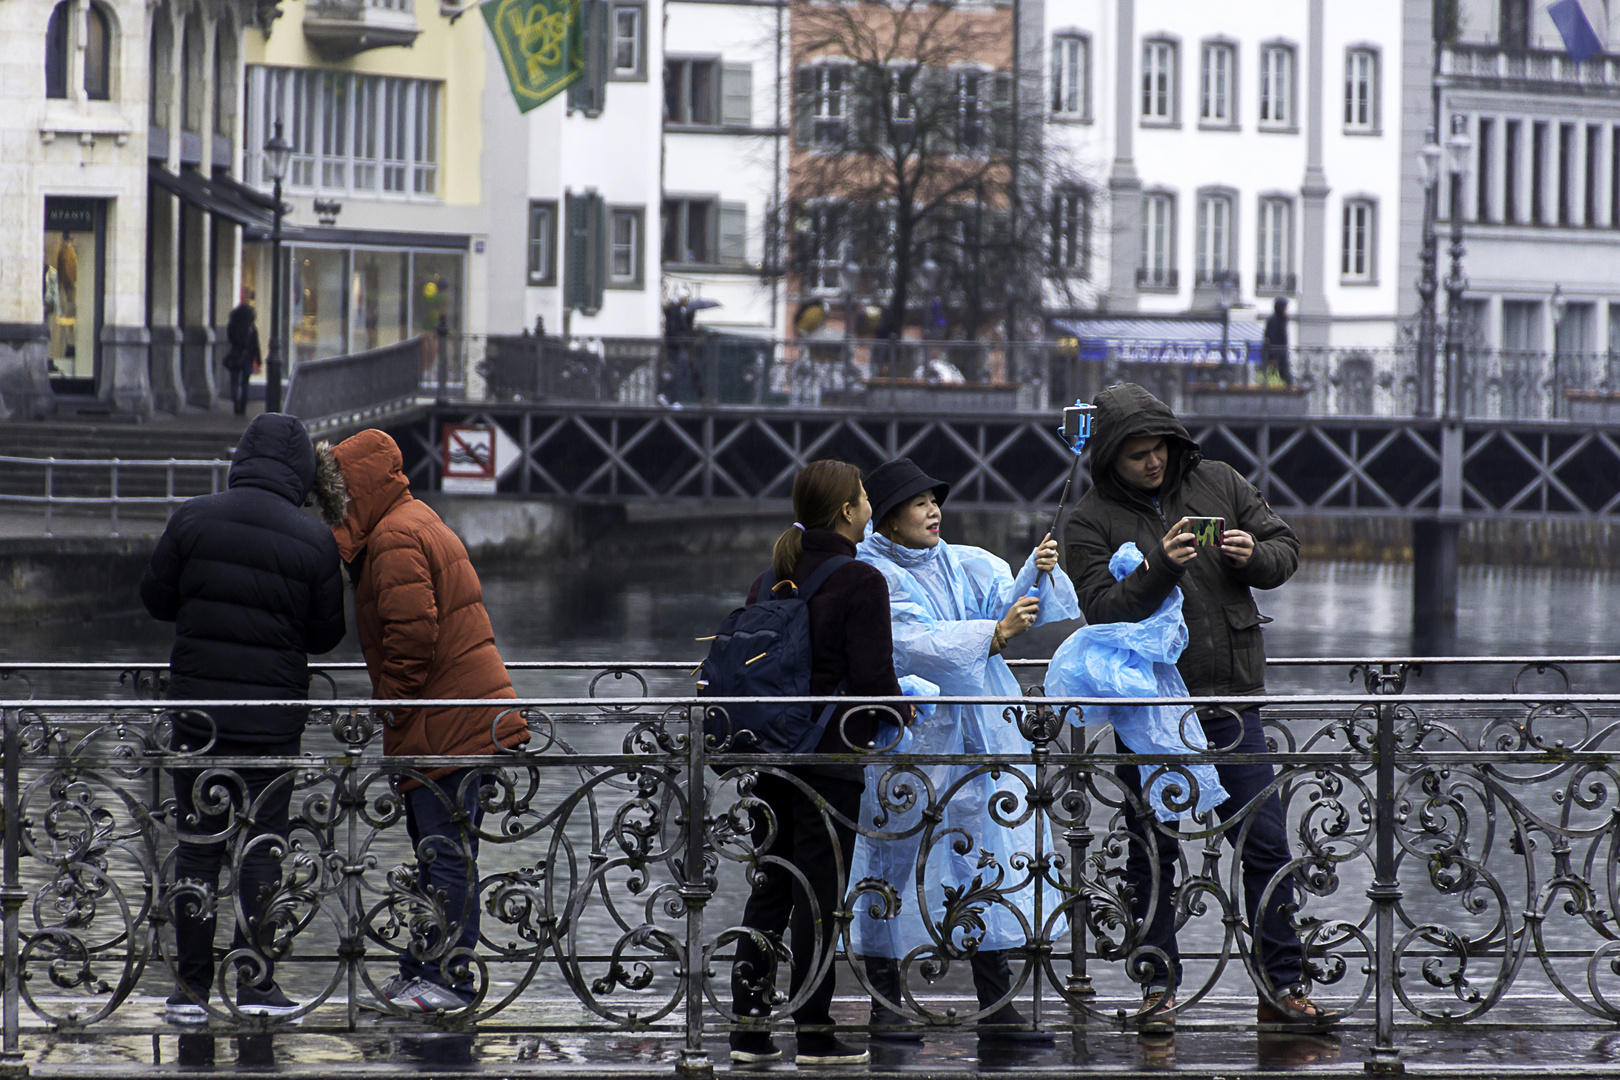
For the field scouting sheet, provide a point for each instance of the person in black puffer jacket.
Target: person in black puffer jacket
(253, 585)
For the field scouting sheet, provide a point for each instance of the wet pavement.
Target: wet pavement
(556, 1038)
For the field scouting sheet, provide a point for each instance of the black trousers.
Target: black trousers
(779, 902)
(260, 871)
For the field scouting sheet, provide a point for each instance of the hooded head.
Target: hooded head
(275, 454)
(365, 480)
(1126, 411)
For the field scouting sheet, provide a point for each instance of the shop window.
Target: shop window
(380, 303)
(71, 287)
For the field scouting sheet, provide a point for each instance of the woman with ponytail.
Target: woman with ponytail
(851, 652)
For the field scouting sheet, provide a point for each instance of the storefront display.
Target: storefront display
(72, 285)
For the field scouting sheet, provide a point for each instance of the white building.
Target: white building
(1541, 204)
(655, 177)
(1253, 138)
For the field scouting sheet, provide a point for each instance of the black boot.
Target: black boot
(884, 975)
(992, 980)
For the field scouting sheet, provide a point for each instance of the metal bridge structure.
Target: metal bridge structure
(1324, 465)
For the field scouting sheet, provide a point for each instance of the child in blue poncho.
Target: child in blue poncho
(953, 610)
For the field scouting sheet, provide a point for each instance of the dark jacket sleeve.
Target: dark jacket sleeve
(1276, 548)
(869, 640)
(160, 584)
(1103, 599)
(326, 626)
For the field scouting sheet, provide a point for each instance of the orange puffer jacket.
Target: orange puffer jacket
(420, 611)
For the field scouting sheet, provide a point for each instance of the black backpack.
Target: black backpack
(763, 650)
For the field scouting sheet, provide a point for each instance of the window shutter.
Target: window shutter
(733, 234)
(585, 252)
(589, 92)
(737, 95)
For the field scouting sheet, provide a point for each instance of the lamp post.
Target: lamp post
(277, 153)
(1556, 305)
(1226, 285)
(1458, 148)
(1428, 280)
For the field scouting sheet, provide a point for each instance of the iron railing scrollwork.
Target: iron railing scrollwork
(1452, 826)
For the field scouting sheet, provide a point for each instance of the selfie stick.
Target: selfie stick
(1075, 430)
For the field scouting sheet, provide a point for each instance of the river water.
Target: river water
(624, 612)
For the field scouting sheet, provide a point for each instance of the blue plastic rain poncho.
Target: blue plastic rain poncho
(1126, 659)
(945, 602)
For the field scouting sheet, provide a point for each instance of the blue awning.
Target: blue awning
(1164, 341)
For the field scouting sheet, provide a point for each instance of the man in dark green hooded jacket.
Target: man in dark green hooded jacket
(1148, 477)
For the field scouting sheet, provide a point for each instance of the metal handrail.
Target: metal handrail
(50, 499)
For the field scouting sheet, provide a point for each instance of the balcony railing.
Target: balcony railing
(1554, 68)
(341, 28)
(1451, 826)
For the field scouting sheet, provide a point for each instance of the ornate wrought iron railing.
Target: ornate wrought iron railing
(1454, 851)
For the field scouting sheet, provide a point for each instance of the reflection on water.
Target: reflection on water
(579, 610)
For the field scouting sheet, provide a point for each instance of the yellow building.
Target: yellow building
(381, 101)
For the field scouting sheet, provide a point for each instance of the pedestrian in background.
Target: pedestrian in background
(850, 653)
(253, 586)
(1274, 342)
(424, 631)
(680, 335)
(242, 358)
(1148, 478)
(954, 609)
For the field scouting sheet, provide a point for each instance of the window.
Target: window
(97, 50)
(824, 105)
(1514, 26)
(56, 50)
(690, 88)
(361, 133)
(902, 105)
(61, 32)
(1159, 81)
(1594, 161)
(1277, 86)
(1212, 257)
(1070, 227)
(1512, 139)
(689, 226)
(1071, 76)
(1566, 172)
(1361, 90)
(542, 243)
(970, 110)
(1358, 260)
(1216, 83)
(1538, 172)
(1274, 271)
(1482, 169)
(629, 43)
(625, 260)
(1158, 269)
(823, 246)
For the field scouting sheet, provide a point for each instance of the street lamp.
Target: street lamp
(1226, 285)
(277, 153)
(1458, 149)
(1428, 284)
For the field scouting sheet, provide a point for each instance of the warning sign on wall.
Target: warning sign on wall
(475, 457)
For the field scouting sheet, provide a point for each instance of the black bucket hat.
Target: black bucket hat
(893, 482)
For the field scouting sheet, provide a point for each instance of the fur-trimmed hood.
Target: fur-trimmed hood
(373, 474)
(330, 492)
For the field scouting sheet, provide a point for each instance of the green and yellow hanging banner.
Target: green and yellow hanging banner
(542, 46)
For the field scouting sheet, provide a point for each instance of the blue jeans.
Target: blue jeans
(447, 865)
(1265, 851)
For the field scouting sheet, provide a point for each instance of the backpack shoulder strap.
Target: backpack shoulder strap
(823, 572)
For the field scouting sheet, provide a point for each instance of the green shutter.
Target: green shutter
(733, 234)
(585, 252)
(589, 94)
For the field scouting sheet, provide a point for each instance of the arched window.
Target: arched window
(97, 54)
(192, 75)
(160, 89)
(224, 81)
(56, 50)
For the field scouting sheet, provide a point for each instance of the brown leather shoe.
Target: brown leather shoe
(1297, 1013)
(1156, 1017)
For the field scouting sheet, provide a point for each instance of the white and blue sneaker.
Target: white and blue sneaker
(423, 996)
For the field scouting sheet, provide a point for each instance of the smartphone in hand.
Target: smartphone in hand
(1206, 530)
